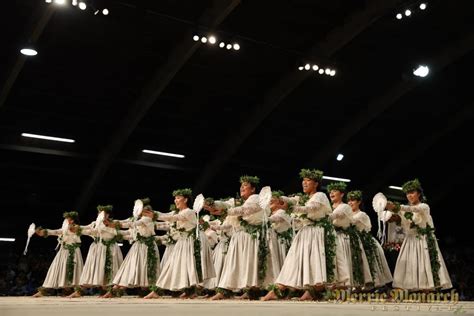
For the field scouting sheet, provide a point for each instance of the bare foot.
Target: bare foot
(244, 296)
(151, 295)
(74, 294)
(183, 295)
(38, 294)
(217, 297)
(107, 295)
(306, 296)
(271, 296)
(204, 296)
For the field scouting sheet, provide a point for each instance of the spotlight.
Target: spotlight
(212, 40)
(48, 1)
(307, 66)
(29, 52)
(195, 38)
(229, 46)
(221, 44)
(407, 12)
(421, 71)
(60, 2)
(204, 39)
(315, 67)
(333, 73)
(82, 5)
(105, 12)
(340, 157)
(300, 68)
(327, 71)
(399, 16)
(96, 12)
(321, 71)
(236, 46)
(74, 2)
(422, 6)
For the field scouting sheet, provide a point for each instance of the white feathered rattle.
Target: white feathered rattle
(197, 207)
(31, 232)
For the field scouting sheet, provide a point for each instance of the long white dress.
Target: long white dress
(305, 263)
(224, 232)
(93, 273)
(280, 223)
(413, 270)
(241, 264)
(382, 271)
(342, 220)
(180, 270)
(57, 273)
(134, 270)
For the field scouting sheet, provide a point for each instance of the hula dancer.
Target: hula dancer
(420, 264)
(352, 266)
(379, 268)
(66, 268)
(141, 266)
(104, 256)
(311, 261)
(189, 263)
(245, 265)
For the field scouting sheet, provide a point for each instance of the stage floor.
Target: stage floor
(133, 306)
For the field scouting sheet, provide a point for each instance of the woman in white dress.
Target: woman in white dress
(352, 265)
(221, 224)
(379, 268)
(189, 263)
(104, 256)
(280, 233)
(245, 264)
(311, 260)
(141, 266)
(420, 264)
(66, 268)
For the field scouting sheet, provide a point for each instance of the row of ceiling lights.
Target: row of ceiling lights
(82, 5)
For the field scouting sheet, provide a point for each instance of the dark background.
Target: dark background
(135, 80)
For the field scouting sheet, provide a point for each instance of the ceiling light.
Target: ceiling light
(421, 71)
(336, 179)
(28, 52)
(56, 139)
(162, 153)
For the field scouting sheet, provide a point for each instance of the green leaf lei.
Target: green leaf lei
(70, 263)
(151, 259)
(256, 232)
(356, 253)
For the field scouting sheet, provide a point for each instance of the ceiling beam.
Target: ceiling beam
(380, 104)
(406, 157)
(31, 39)
(177, 58)
(334, 41)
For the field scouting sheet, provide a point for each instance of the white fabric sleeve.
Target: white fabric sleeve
(420, 208)
(171, 217)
